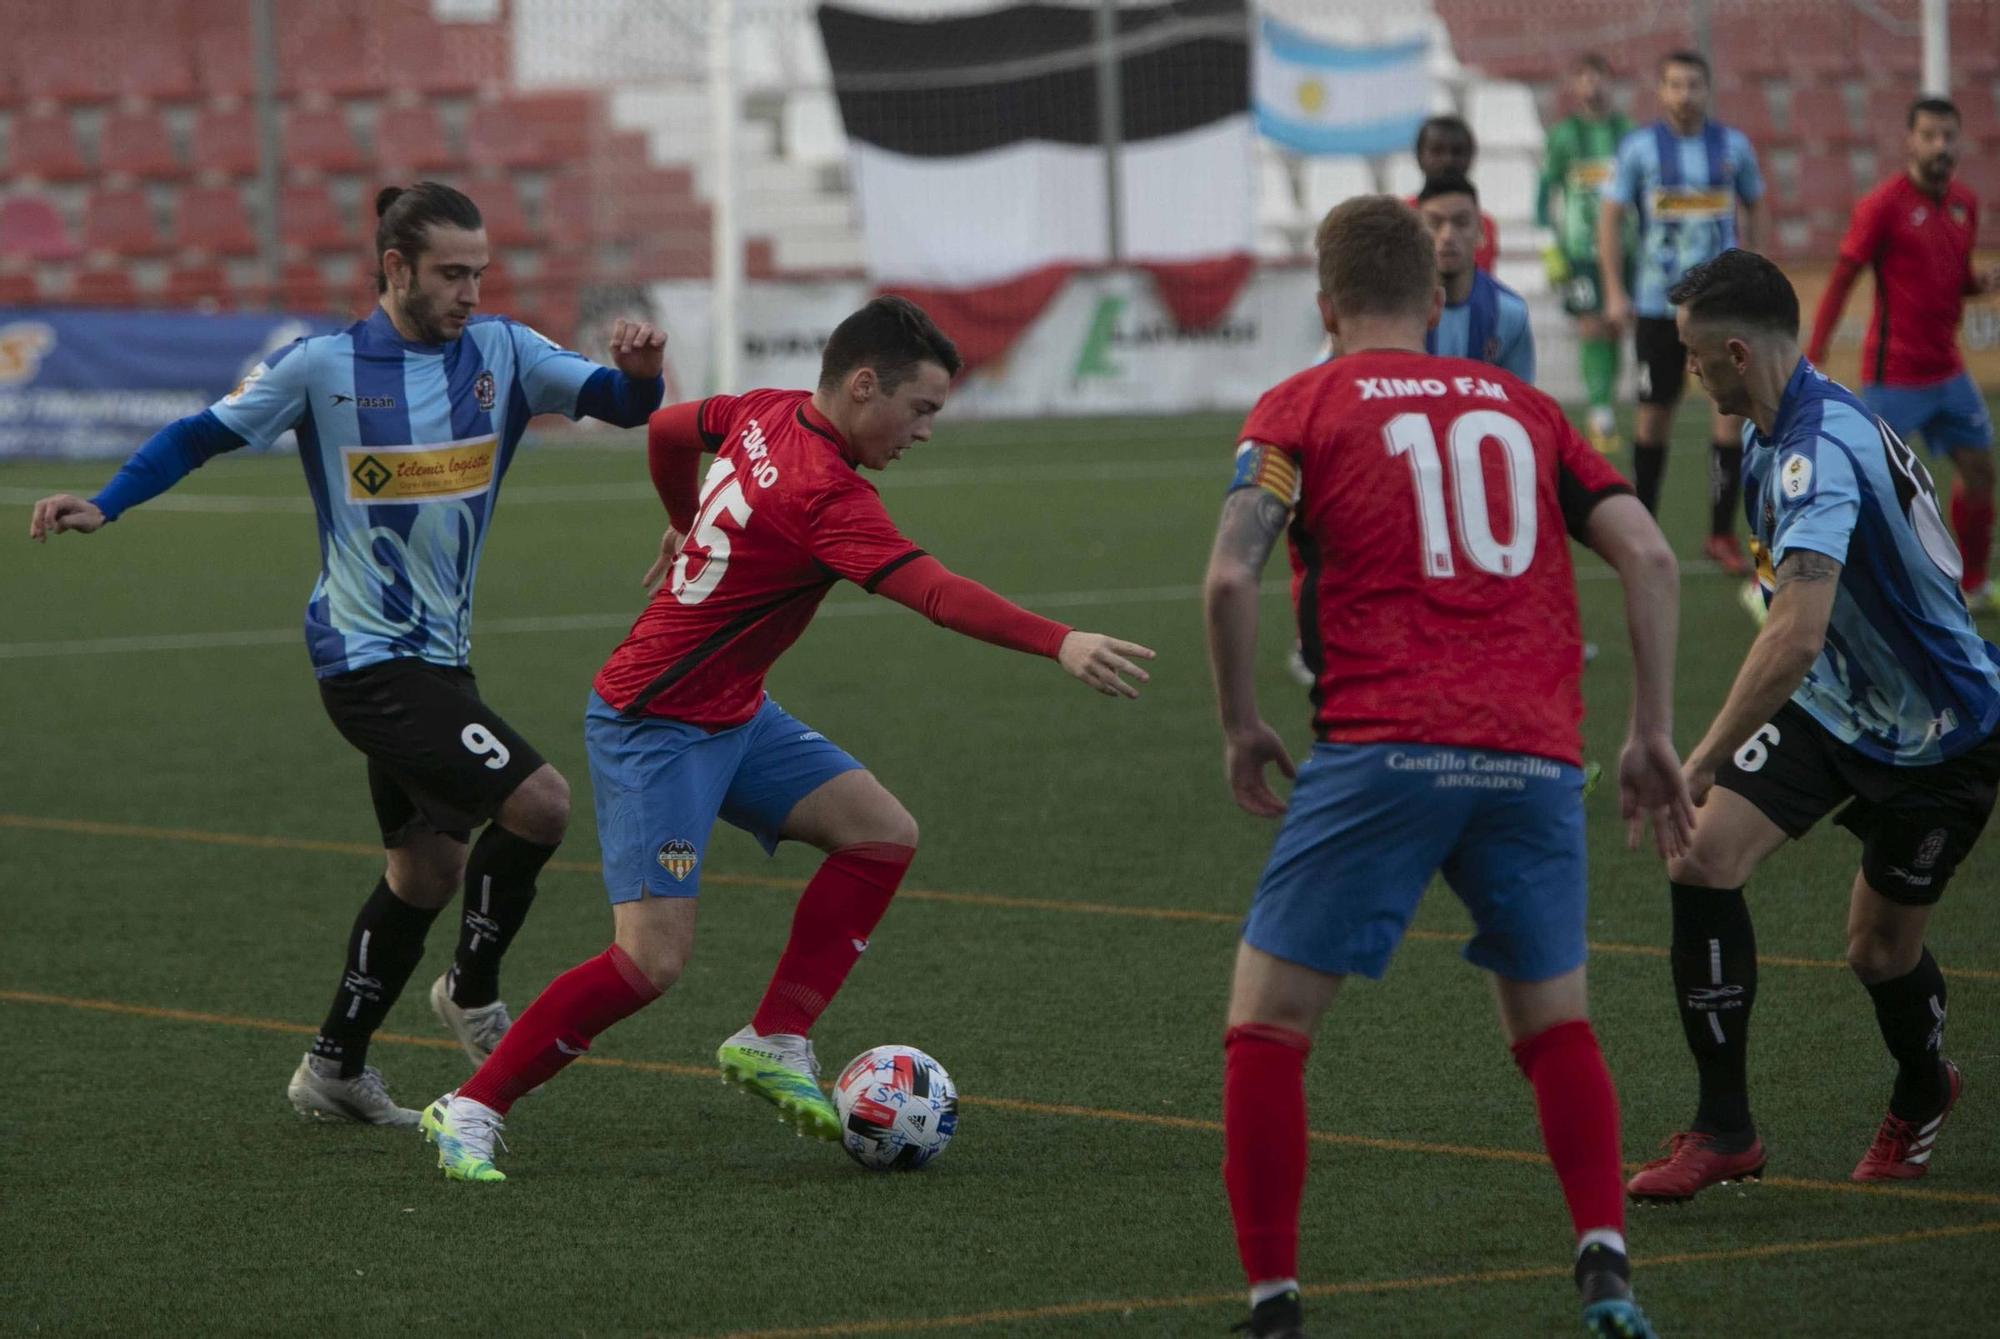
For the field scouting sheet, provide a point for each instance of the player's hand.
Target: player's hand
(1104, 662)
(60, 512)
(1618, 309)
(1700, 780)
(638, 349)
(670, 548)
(1244, 757)
(1652, 786)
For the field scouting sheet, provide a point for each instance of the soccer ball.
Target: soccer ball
(897, 1108)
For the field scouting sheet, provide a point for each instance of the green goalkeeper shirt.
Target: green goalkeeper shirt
(1578, 158)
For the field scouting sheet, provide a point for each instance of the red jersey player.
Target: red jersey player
(1432, 499)
(679, 729)
(1916, 231)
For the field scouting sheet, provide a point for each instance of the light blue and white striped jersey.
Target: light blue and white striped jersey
(1490, 326)
(404, 446)
(1904, 678)
(1685, 190)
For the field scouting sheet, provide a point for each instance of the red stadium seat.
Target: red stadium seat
(506, 222)
(225, 141)
(1826, 184)
(18, 289)
(321, 139)
(223, 61)
(1819, 116)
(534, 130)
(410, 143)
(45, 146)
(417, 52)
(309, 221)
(302, 288)
(31, 228)
(122, 223)
(158, 63)
(137, 143)
(325, 47)
(104, 288)
(204, 285)
(213, 221)
(65, 62)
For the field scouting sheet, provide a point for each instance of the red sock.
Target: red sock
(1972, 522)
(1264, 1145)
(1578, 1109)
(558, 1026)
(836, 913)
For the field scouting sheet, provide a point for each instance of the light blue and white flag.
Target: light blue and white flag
(1314, 97)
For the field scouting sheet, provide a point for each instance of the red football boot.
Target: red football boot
(1727, 554)
(1692, 1164)
(1902, 1150)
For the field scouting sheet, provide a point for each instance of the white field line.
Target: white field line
(548, 623)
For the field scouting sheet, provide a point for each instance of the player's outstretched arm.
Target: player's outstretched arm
(1786, 647)
(169, 456)
(963, 605)
(1650, 782)
(1252, 519)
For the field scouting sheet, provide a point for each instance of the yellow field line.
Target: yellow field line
(93, 828)
(1185, 1123)
(1428, 1283)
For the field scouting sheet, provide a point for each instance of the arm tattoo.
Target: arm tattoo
(1252, 521)
(1804, 565)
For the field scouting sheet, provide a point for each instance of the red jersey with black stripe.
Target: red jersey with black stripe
(1919, 247)
(783, 516)
(1433, 500)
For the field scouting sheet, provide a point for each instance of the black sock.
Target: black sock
(499, 889)
(1910, 1012)
(1649, 467)
(1715, 977)
(1725, 486)
(382, 950)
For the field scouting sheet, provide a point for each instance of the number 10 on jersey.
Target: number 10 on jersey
(1469, 515)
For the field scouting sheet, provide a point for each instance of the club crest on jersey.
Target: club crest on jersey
(678, 858)
(1795, 476)
(484, 390)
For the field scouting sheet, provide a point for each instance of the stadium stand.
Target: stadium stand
(136, 144)
(121, 221)
(213, 220)
(31, 229)
(45, 146)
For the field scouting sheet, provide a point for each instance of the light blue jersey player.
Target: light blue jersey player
(1684, 179)
(1867, 691)
(406, 423)
(1483, 319)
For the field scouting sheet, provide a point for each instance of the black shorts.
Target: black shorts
(1915, 823)
(1662, 360)
(438, 757)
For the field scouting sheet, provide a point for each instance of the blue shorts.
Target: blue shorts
(660, 785)
(1950, 415)
(1368, 826)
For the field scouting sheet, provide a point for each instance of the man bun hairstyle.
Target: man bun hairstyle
(1740, 288)
(1376, 258)
(405, 215)
(893, 336)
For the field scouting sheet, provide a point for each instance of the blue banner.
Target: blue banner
(98, 383)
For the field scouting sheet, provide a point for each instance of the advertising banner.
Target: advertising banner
(99, 383)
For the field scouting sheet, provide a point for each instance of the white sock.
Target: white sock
(1261, 1293)
(1601, 1236)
